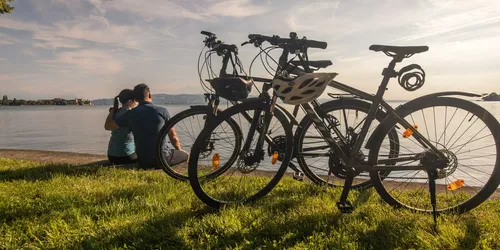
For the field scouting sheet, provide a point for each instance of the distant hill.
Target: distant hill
(491, 97)
(182, 99)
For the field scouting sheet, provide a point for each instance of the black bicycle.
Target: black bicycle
(189, 123)
(446, 145)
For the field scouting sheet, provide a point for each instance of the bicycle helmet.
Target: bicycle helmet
(303, 88)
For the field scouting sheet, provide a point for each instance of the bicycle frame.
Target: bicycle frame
(377, 103)
(354, 166)
(213, 102)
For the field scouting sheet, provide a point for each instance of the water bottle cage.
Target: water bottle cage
(411, 72)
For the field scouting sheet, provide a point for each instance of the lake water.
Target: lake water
(78, 128)
(59, 128)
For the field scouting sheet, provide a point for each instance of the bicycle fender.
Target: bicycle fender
(199, 107)
(400, 110)
(207, 107)
(289, 115)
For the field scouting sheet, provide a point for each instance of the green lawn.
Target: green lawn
(64, 206)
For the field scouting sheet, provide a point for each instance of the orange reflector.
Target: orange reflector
(275, 158)
(456, 184)
(408, 132)
(215, 161)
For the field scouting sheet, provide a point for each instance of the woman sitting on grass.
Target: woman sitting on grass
(121, 147)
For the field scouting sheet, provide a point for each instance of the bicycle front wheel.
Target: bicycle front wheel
(188, 125)
(464, 132)
(217, 180)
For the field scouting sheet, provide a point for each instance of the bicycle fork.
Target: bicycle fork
(267, 116)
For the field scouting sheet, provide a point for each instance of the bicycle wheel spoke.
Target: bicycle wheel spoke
(446, 126)
(464, 132)
(456, 130)
(467, 166)
(472, 150)
(435, 130)
(425, 122)
(470, 140)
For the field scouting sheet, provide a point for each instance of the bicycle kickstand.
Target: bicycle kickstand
(344, 205)
(432, 190)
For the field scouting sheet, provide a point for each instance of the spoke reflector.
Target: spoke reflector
(456, 184)
(275, 157)
(216, 161)
(408, 132)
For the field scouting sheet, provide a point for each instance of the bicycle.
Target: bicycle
(189, 122)
(195, 118)
(435, 160)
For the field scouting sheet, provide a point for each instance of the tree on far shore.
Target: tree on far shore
(5, 6)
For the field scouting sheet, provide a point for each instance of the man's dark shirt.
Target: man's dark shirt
(145, 121)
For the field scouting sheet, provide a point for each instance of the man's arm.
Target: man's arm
(110, 124)
(174, 139)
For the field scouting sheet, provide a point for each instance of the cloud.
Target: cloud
(48, 41)
(454, 23)
(92, 61)
(237, 8)
(29, 52)
(82, 43)
(4, 77)
(8, 40)
(152, 9)
(189, 9)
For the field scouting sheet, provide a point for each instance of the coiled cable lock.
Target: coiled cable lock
(411, 77)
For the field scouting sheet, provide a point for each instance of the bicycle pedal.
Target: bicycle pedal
(298, 176)
(345, 207)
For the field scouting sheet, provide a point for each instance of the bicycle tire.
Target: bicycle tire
(176, 119)
(193, 168)
(475, 110)
(327, 107)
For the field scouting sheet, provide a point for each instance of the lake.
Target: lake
(78, 128)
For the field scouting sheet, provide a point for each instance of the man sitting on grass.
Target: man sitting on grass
(145, 121)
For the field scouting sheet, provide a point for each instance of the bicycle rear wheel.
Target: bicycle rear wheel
(217, 181)
(188, 125)
(465, 133)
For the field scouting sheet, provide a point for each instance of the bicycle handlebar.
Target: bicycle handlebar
(206, 33)
(212, 43)
(257, 39)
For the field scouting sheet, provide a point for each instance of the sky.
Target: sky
(94, 48)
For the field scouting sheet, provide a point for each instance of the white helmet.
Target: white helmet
(303, 88)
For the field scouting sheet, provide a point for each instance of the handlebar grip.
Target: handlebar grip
(206, 33)
(316, 44)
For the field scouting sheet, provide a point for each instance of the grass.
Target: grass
(73, 207)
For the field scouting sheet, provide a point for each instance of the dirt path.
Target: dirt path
(53, 156)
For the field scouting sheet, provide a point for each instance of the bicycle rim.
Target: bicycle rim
(466, 134)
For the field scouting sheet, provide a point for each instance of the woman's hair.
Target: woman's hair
(124, 96)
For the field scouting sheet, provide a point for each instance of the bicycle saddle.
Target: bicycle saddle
(399, 50)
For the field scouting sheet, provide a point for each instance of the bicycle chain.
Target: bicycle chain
(398, 178)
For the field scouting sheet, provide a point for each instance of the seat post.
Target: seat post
(388, 73)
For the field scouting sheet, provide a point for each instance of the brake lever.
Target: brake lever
(245, 43)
